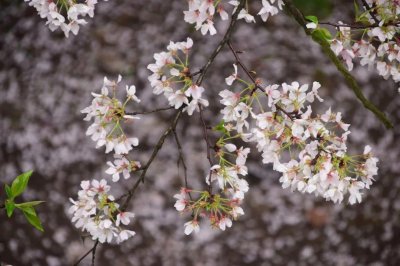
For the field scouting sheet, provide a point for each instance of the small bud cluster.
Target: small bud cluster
(379, 44)
(172, 77)
(219, 210)
(201, 13)
(53, 11)
(96, 213)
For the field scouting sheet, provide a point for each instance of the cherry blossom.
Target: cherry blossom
(172, 77)
(52, 11)
(109, 115)
(95, 210)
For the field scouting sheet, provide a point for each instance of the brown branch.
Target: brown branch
(254, 80)
(181, 158)
(370, 11)
(92, 250)
(325, 46)
(358, 26)
(150, 112)
(160, 142)
(156, 149)
(221, 45)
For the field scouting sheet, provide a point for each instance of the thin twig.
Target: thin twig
(93, 249)
(150, 112)
(94, 252)
(181, 159)
(357, 26)
(156, 149)
(160, 142)
(325, 46)
(370, 11)
(253, 79)
(238, 61)
(221, 45)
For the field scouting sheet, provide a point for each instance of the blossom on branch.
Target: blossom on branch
(53, 12)
(97, 213)
(173, 78)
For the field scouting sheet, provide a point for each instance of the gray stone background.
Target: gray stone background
(45, 80)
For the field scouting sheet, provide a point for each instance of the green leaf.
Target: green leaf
(8, 192)
(220, 127)
(321, 33)
(312, 19)
(32, 218)
(28, 204)
(19, 184)
(28, 209)
(10, 206)
(356, 9)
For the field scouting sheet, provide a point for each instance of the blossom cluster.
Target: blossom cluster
(308, 150)
(53, 11)
(319, 162)
(97, 213)
(172, 77)
(323, 166)
(108, 114)
(223, 206)
(201, 12)
(378, 47)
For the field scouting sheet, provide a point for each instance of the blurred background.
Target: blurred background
(46, 79)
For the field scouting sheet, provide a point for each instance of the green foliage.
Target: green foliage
(321, 34)
(18, 186)
(312, 19)
(220, 127)
(33, 219)
(321, 8)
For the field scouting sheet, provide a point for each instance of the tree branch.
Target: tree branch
(156, 149)
(150, 112)
(254, 80)
(370, 11)
(221, 45)
(362, 27)
(350, 80)
(92, 250)
(181, 159)
(172, 127)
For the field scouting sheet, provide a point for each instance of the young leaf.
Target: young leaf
(19, 184)
(356, 9)
(28, 204)
(321, 33)
(32, 218)
(9, 192)
(10, 206)
(312, 19)
(220, 127)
